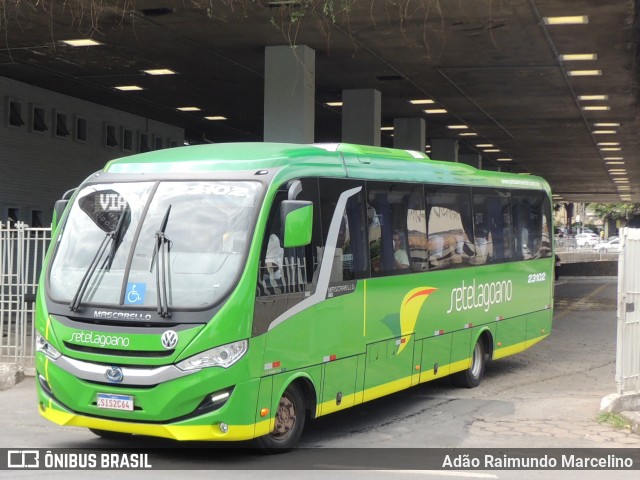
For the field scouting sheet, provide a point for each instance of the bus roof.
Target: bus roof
(360, 161)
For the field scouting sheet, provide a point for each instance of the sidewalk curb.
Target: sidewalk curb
(10, 375)
(628, 406)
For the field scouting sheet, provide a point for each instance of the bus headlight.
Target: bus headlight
(42, 345)
(223, 356)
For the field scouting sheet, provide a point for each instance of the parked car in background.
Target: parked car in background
(587, 239)
(613, 244)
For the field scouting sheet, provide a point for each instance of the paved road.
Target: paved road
(546, 397)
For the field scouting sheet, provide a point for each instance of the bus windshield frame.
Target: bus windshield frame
(136, 245)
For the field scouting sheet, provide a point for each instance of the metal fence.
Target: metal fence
(22, 252)
(628, 349)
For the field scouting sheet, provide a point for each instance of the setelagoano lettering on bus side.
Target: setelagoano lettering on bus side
(483, 295)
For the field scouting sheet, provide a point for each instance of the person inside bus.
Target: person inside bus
(400, 256)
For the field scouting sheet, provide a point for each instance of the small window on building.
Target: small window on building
(15, 114)
(127, 139)
(13, 216)
(111, 140)
(81, 129)
(159, 143)
(36, 219)
(144, 142)
(39, 123)
(61, 125)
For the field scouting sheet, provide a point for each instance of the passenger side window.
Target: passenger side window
(350, 255)
(449, 227)
(532, 224)
(492, 225)
(389, 234)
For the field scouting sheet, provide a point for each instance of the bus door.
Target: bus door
(312, 319)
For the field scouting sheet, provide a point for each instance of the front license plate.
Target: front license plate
(114, 402)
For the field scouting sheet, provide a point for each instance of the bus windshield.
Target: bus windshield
(176, 243)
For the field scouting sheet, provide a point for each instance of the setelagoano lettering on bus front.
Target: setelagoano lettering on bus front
(483, 295)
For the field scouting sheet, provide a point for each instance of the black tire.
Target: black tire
(290, 418)
(109, 435)
(472, 377)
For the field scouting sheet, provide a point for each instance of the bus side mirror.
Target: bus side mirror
(58, 210)
(297, 219)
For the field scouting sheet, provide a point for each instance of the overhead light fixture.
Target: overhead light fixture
(128, 88)
(588, 98)
(491, 150)
(567, 20)
(614, 163)
(484, 145)
(468, 134)
(608, 144)
(431, 111)
(604, 132)
(584, 73)
(334, 104)
(576, 57)
(215, 117)
(504, 159)
(457, 127)
(596, 108)
(610, 124)
(386, 128)
(422, 101)
(188, 109)
(613, 158)
(159, 71)
(611, 149)
(81, 42)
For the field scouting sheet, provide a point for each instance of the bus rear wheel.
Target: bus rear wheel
(472, 377)
(290, 418)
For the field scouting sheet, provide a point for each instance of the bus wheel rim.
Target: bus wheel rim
(285, 417)
(476, 367)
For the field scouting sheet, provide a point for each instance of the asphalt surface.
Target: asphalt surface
(546, 397)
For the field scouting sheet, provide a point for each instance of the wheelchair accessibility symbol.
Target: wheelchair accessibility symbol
(135, 293)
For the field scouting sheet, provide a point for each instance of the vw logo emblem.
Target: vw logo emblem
(169, 339)
(114, 374)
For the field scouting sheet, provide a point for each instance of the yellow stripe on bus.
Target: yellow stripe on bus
(516, 348)
(176, 432)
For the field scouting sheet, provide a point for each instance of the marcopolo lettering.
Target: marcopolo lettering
(483, 295)
(104, 315)
(92, 338)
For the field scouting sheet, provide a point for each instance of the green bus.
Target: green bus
(231, 291)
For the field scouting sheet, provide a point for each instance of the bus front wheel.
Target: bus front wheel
(471, 377)
(289, 422)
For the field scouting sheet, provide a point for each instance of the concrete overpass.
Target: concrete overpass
(545, 87)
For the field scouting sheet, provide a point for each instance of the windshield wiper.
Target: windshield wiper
(161, 250)
(110, 239)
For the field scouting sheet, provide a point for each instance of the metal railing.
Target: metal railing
(628, 345)
(22, 253)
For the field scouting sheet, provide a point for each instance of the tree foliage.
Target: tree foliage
(616, 211)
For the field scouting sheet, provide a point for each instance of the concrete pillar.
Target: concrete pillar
(473, 159)
(409, 133)
(361, 116)
(444, 149)
(289, 94)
